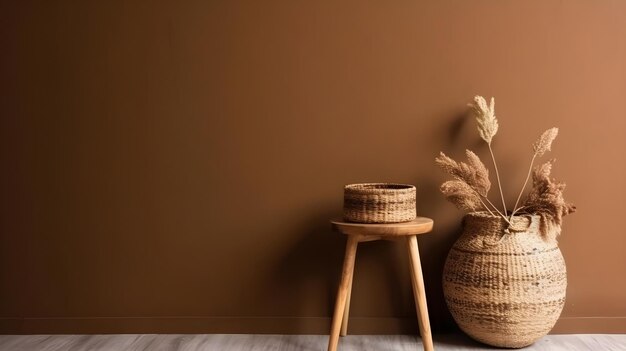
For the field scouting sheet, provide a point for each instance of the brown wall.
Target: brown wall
(171, 166)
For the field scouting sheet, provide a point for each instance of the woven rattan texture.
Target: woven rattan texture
(504, 291)
(379, 203)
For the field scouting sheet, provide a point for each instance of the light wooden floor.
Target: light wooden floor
(219, 342)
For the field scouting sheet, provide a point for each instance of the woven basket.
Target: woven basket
(379, 203)
(505, 291)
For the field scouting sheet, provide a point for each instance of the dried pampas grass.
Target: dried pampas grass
(461, 195)
(545, 141)
(487, 128)
(470, 187)
(486, 117)
(474, 173)
(546, 200)
(472, 181)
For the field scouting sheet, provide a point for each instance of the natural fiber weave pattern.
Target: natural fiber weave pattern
(504, 291)
(379, 203)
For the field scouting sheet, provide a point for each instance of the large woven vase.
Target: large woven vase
(504, 289)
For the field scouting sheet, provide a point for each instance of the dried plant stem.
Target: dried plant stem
(481, 197)
(515, 209)
(485, 206)
(500, 213)
(495, 166)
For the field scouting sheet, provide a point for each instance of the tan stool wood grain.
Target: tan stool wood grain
(359, 232)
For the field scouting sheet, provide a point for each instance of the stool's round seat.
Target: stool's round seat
(419, 225)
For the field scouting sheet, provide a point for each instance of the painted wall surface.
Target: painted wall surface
(171, 166)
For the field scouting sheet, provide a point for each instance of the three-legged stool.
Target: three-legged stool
(359, 232)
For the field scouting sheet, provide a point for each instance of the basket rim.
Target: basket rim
(378, 188)
(487, 215)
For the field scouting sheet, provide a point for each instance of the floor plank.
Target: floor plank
(240, 342)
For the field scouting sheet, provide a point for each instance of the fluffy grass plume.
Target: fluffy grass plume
(487, 128)
(470, 184)
(546, 200)
(486, 117)
(474, 173)
(544, 143)
(461, 195)
(540, 147)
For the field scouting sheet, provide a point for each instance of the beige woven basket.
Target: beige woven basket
(505, 291)
(379, 203)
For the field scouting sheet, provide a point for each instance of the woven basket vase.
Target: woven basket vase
(505, 290)
(379, 203)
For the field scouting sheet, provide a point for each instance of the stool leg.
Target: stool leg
(346, 311)
(419, 293)
(342, 294)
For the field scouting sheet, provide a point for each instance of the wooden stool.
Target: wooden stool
(359, 232)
